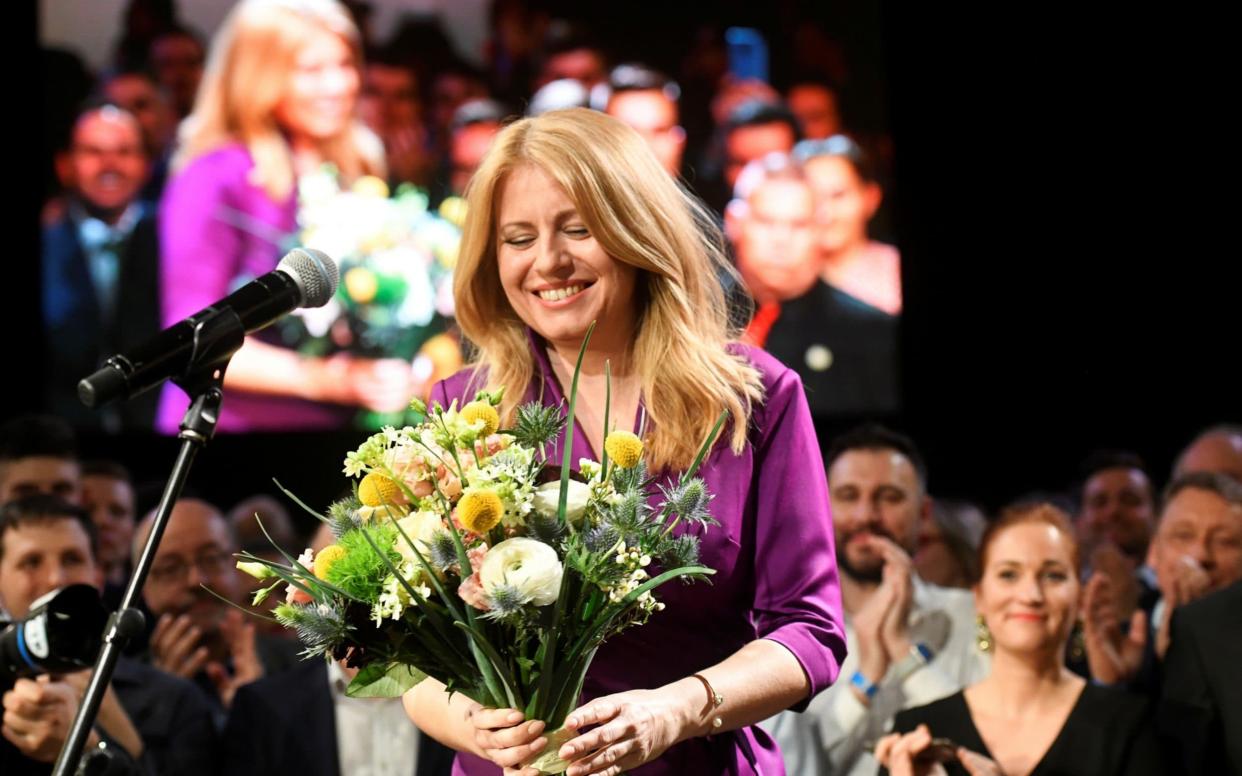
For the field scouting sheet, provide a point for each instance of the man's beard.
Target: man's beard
(868, 575)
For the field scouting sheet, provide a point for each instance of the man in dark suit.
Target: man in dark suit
(100, 265)
(844, 349)
(301, 722)
(1200, 714)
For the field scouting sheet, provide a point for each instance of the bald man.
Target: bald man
(1218, 449)
(197, 635)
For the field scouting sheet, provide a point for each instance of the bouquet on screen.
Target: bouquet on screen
(396, 262)
(465, 556)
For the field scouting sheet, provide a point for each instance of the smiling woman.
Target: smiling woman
(572, 221)
(277, 101)
(1028, 600)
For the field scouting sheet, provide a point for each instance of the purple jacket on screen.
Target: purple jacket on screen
(219, 231)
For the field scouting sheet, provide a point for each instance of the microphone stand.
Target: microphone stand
(216, 338)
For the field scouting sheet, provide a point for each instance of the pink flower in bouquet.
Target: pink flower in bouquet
(409, 466)
(471, 588)
(450, 484)
(490, 446)
(294, 595)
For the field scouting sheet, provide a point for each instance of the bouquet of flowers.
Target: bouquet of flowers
(465, 556)
(396, 260)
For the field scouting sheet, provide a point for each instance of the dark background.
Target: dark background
(1063, 201)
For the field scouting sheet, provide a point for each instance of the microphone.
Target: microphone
(62, 632)
(303, 278)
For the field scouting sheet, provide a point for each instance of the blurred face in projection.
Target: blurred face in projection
(322, 89)
(106, 165)
(844, 203)
(775, 240)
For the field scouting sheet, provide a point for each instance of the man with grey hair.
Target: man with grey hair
(1197, 550)
(844, 349)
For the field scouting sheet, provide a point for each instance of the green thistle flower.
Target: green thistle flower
(537, 425)
(689, 500)
(341, 515)
(680, 551)
(629, 515)
(320, 627)
(601, 538)
(546, 529)
(507, 604)
(442, 552)
(632, 479)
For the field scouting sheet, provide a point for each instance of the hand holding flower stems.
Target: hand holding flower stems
(451, 561)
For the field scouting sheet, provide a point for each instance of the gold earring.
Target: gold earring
(1077, 644)
(983, 636)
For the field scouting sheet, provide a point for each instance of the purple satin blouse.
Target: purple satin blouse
(776, 573)
(218, 231)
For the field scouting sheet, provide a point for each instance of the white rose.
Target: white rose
(420, 527)
(529, 566)
(548, 495)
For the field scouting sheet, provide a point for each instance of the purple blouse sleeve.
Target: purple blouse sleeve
(797, 591)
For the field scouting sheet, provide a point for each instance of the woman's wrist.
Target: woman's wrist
(697, 706)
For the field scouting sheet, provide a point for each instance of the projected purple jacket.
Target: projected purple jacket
(776, 574)
(219, 231)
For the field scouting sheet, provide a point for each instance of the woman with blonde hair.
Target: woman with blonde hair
(1031, 715)
(573, 221)
(277, 101)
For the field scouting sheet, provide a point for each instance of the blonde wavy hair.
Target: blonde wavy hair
(642, 217)
(248, 68)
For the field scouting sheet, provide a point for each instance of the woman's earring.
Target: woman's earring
(983, 636)
(1077, 643)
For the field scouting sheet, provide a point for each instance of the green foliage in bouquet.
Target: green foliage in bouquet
(464, 556)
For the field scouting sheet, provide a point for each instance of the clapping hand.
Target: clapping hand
(176, 646)
(1187, 582)
(239, 636)
(881, 624)
(1112, 656)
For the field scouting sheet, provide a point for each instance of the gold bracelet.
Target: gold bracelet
(713, 697)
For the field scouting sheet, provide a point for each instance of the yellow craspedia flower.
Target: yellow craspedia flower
(376, 490)
(326, 558)
(481, 410)
(479, 510)
(371, 186)
(624, 448)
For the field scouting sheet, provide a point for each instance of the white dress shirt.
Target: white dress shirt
(830, 737)
(374, 737)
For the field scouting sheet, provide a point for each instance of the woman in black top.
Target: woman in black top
(1031, 716)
